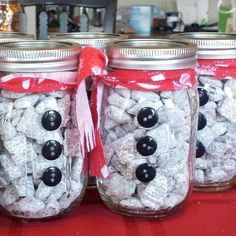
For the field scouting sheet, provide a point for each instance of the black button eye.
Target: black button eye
(52, 176)
(146, 146)
(147, 117)
(51, 120)
(200, 149)
(52, 150)
(145, 173)
(202, 121)
(203, 96)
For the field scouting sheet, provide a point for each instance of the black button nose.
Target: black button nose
(200, 149)
(147, 117)
(202, 121)
(52, 176)
(52, 150)
(146, 146)
(51, 120)
(203, 96)
(145, 173)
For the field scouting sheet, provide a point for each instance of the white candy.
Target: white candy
(16, 116)
(124, 92)
(207, 81)
(141, 96)
(199, 176)
(9, 196)
(14, 95)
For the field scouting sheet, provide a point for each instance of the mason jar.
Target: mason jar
(93, 39)
(14, 36)
(215, 163)
(42, 169)
(148, 126)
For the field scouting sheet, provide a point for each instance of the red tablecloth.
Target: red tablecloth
(205, 214)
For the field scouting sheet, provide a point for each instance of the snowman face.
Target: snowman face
(147, 117)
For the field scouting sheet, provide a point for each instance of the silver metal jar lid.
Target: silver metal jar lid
(210, 45)
(14, 36)
(38, 56)
(151, 54)
(94, 39)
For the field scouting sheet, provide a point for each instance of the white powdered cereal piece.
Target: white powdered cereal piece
(139, 133)
(16, 116)
(228, 109)
(154, 194)
(230, 88)
(43, 191)
(48, 103)
(173, 115)
(164, 138)
(182, 182)
(71, 143)
(124, 92)
(17, 147)
(58, 191)
(6, 108)
(7, 131)
(26, 101)
(9, 196)
(215, 94)
(133, 203)
(120, 132)
(13, 95)
(120, 102)
(12, 171)
(64, 106)
(141, 96)
(201, 164)
(146, 103)
(229, 165)
(215, 174)
(24, 186)
(181, 99)
(199, 176)
(115, 162)
(208, 82)
(109, 123)
(210, 115)
(77, 167)
(166, 94)
(30, 206)
(76, 187)
(52, 208)
(37, 148)
(118, 115)
(119, 188)
(124, 146)
(58, 94)
(218, 149)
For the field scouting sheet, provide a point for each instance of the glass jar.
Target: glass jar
(93, 39)
(10, 11)
(215, 163)
(14, 36)
(43, 171)
(148, 126)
